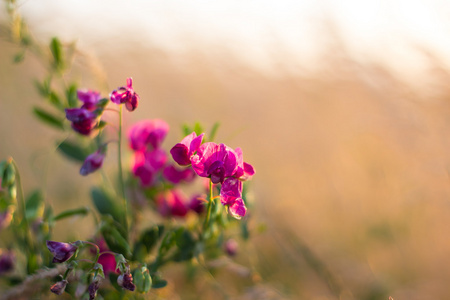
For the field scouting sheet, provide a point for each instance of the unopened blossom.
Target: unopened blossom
(89, 98)
(175, 175)
(147, 133)
(147, 163)
(7, 260)
(59, 287)
(215, 161)
(231, 247)
(172, 203)
(93, 162)
(83, 120)
(127, 95)
(184, 150)
(93, 288)
(126, 281)
(244, 170)
(61, 251)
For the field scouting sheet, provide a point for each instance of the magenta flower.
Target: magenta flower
(127, 95)
(147, 163)
(107, 260)
(231, 196)
(93, 162)
(183, 151)
(244, 171)
(147, 132)
(171, 203)
(215, 161)
(61, 251)
(83, 120)
(89, 98)
(174, 175)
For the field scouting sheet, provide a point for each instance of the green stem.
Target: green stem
(122, 184)
(208, 214)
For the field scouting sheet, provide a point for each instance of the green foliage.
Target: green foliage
(48, 118)
(73, 151)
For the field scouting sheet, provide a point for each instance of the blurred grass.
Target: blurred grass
(352, 165)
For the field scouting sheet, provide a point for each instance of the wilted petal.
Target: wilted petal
(126, 281)
(59, 287)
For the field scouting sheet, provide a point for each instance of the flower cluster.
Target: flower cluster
(221, 164)
(151, 164)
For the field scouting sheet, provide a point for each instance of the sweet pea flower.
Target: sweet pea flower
(197, 205)
(127, 95)
(174, 175)
(215, 161)
(89, 98)
(93, 162)
(171, 203)
(231, 196)
(147, 132)
(147, 163)
(183, 151)
(83, 120)
(244, 171)
(61, 251)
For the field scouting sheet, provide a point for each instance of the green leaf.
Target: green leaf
(186, 130)
(48, 118)
(57, 52)
(115, 241)
(82, 211)
(158, 283)
(142, 279)
(213, 132)
(147, 241)
(18, 58)
(73, 151)
(185, 243)
(198, 128)
(71, 95)
(105, 204)
(55, 100)
(35, 205)
(43, 88)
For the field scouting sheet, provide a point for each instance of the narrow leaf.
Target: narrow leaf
(73, 151)
(48, 118)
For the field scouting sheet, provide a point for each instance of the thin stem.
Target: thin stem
(122, 184)
(208, 214)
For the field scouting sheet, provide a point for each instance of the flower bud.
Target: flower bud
(93, 162)
(6, 261)
(231, 247)
(93, 288)
(61, 251)
(126, 281)
(59, 287)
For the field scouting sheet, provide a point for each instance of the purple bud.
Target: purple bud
(61, 251)
(93, 162)
(126, 281)
(7, 260)
(59, 287)
(231, 247)
(93, 288)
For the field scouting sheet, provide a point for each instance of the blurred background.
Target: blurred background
(342, 107)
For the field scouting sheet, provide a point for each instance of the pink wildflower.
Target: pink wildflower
(171, 203)
(147, 132)
(231, 196)
(147, 163)
(183, 151)
(215, 161)
(244, 171)
(127, 95)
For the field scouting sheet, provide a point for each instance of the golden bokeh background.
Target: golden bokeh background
(352, 157)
